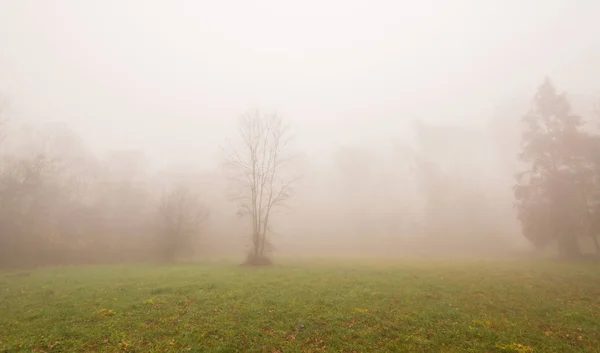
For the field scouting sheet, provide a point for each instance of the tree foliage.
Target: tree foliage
(557, 195)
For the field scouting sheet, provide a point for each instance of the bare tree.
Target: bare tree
(260, 182)
(180, 215)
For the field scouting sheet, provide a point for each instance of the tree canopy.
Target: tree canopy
(557, 195)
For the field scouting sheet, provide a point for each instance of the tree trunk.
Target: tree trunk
(595, 239)
(256, 244)
(256, 256)
(568, 247)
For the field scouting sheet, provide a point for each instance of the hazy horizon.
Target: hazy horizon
(170, 78)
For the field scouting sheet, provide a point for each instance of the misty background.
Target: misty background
(393, 105)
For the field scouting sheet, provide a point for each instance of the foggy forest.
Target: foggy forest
(264, 132)
(411, 182)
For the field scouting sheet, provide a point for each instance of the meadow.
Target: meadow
(316, 306)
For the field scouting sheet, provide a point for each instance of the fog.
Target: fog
(148, 93)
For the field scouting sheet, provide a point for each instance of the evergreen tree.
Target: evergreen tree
(553, 193)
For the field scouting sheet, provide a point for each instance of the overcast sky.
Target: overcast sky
(170, 77)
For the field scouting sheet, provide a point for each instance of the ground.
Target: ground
(349, 306)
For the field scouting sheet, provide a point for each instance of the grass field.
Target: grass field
(364, 306)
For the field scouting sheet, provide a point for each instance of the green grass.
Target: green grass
(364, 306)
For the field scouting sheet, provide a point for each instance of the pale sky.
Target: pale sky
(170, 77)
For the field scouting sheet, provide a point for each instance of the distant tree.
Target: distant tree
(32, 203)
(61, 204)
(5, 236)
(259, 180)
(554, 195)
(53, 203)
(448, 173)
(358, 190)
(126, 198)
(592, 192)
(181, 215)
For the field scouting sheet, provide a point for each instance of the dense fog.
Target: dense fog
(405, 123)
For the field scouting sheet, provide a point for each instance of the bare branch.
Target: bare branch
(256, 171)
